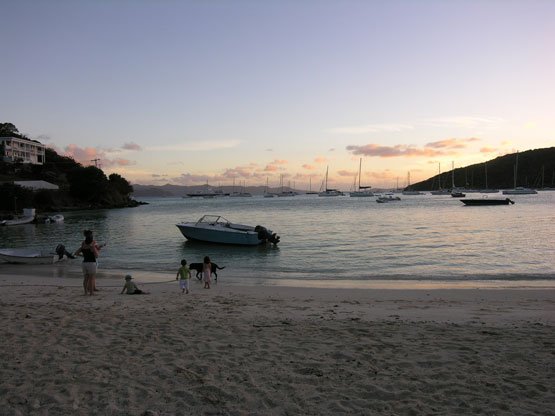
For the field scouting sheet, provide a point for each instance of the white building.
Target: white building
(28, 151)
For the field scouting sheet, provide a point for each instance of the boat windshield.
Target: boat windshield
(213, 219)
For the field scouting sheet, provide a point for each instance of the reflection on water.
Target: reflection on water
(355, 239)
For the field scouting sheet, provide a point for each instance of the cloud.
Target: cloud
(131, 146)
(274, 166)
(120, 162)
(90, 156)
(452, 143)
(506, 143)
(488, 150)
(198, 146)
(309, 167)
(320, 160)
(399, 150)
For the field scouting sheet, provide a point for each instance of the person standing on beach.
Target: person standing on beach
(206, 270)
(90, 253)
(185, 274)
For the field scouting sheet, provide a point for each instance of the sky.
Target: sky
(195, 92)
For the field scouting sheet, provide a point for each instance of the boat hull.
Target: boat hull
(28, 257)
(486, 201)
(519, 192)
(219, 235)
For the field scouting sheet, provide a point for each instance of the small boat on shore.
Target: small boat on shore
(217, 229)
(54, 219)
(28, 217)
(487, 201)
(32, 256)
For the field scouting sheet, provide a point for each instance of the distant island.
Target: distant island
(536, 169)
(74, 186)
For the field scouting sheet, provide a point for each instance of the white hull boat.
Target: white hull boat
(18, 221)
(217, 229)
(31, 256)
(54, 219)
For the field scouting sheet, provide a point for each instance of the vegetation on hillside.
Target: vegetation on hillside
(79, 187)
(536, 169)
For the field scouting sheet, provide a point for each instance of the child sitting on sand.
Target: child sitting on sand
(185, 274)
(131, 287)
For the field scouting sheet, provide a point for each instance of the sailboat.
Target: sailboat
(455, 192)
(440, 191)
(329, 192)
(518, 190)
(266, 193)
(310, 191)
(362, 190)
(487, 190)
(407, 191)
(285, 193)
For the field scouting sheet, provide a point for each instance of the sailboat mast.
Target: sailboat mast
(516, 169)
(486, 166)
(439, 175)
(452, 174)
(359, 171)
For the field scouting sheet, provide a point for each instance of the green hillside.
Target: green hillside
(79, 187)
(536, 169)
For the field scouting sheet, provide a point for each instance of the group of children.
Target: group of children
(183, 275)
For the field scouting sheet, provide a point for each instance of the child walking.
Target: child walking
(206, 270)
(185, 275)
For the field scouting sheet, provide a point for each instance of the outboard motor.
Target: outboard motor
(61, 251)
(264, 234)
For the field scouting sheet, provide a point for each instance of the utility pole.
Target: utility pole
(95, 161)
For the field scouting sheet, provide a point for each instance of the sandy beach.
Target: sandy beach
(235, 350)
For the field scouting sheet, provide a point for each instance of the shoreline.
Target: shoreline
(72, 270)
(275, 350)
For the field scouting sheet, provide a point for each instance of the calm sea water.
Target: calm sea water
(418, 238)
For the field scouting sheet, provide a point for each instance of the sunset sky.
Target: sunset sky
(186, 92)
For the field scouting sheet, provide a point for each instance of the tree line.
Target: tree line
(80, 187)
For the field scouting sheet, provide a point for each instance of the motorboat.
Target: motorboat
(457, 194)
(54, 219)
(487, 201)
(387, 198)
(32, 256)
(217, 229)
(520, 191)
(412, 193)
